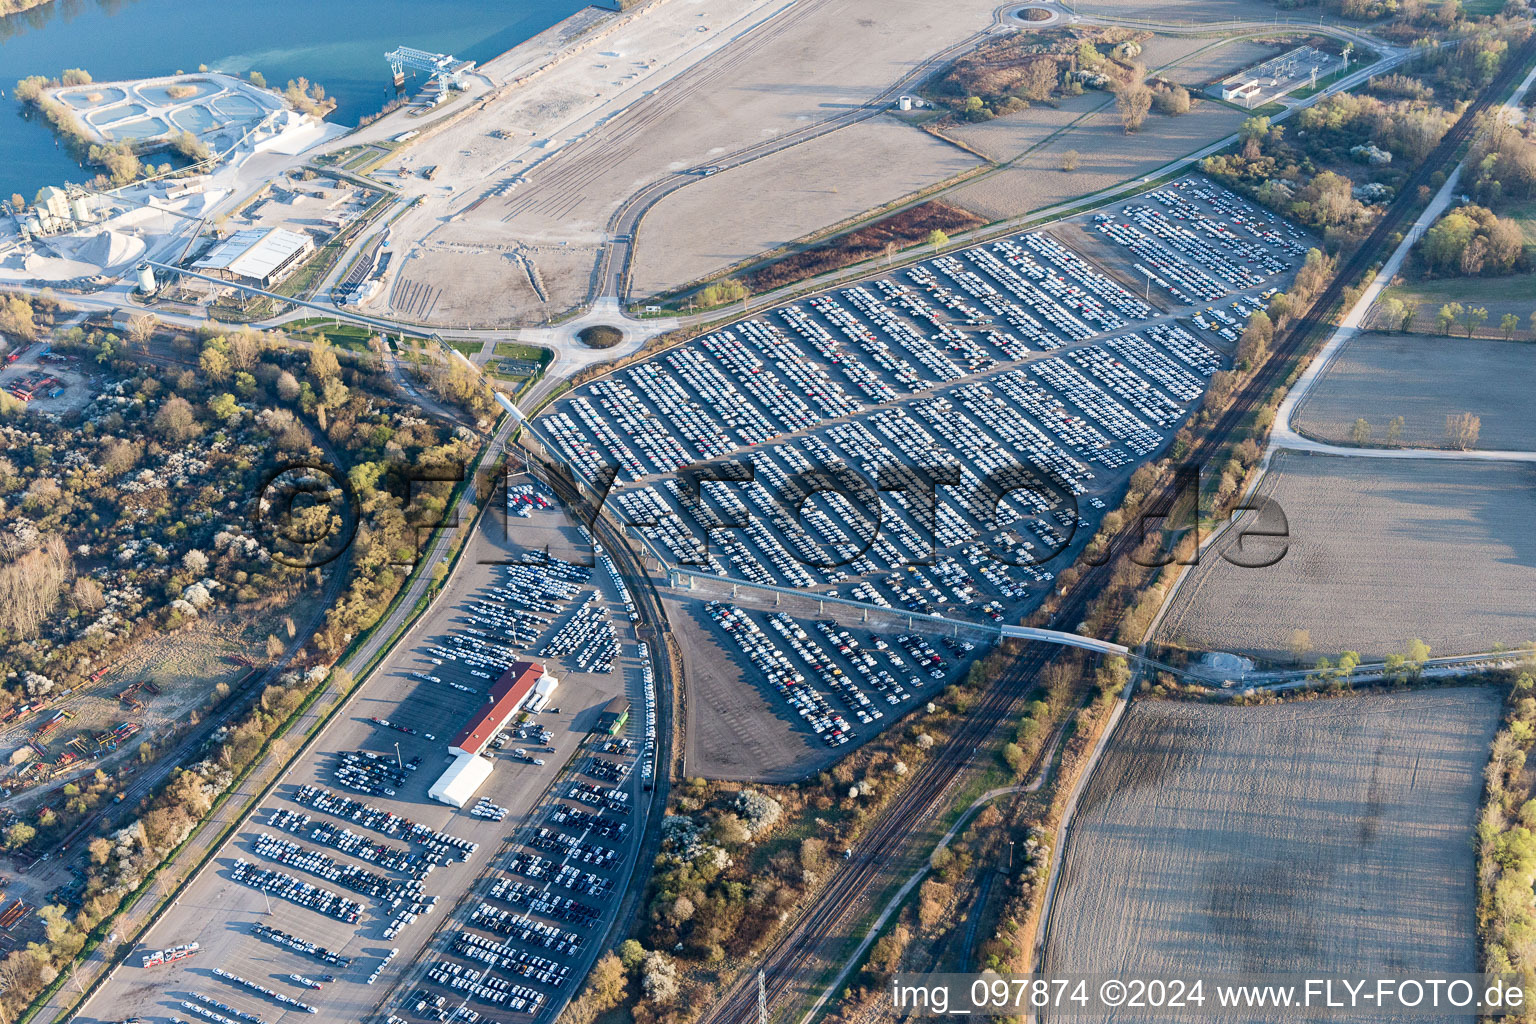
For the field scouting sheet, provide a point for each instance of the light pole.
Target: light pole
(397, 756)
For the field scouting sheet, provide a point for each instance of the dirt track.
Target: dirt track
(1331, 835)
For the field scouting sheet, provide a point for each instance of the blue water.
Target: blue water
(337, 43)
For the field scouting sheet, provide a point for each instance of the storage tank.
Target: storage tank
(147, 283)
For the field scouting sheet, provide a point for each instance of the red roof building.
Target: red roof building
(514, 686)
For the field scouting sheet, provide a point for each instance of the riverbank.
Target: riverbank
(19, 6)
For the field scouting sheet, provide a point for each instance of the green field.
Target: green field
(468, 348)
(343, 335)
(526, 353)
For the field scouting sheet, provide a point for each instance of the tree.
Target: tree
(1448, 315)
(1255, 128)
(175, 420)
(214, 364)
(16, 318)
(1410, 314)
(1395, 429)
(287, 386)
(75, 76)
(606, 983)
(1253, 346)
(225, 407)
(1472, 319)
(19, 835)
(1416, 655)
(1462, 430)
(937, 239)
(274, 648)
(140, 329)
(121, 162)
(1172, 99)
(1069, 161)
(1362, 431)
(1392, 310)
(323, 364)
(631, 954)
(18, 204)
(1134, 100)
(257, 79)
(1301, 643)
(1509, 324)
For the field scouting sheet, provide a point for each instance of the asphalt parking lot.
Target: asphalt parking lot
(1037, 377)
(941, 441)
(376, 877)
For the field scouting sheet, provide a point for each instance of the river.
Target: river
(337, 43)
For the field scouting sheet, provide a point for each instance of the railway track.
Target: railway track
(837, 905)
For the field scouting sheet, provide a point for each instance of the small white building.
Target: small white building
(543, 690)
(465, 774)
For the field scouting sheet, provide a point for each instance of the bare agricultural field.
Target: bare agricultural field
(1380, 551)
(747, 210)
(1107, 156)
(1008, 137)
(834, 55)
(1498, 295)
(1178, 12)
(1424, 379)
(1332, 835)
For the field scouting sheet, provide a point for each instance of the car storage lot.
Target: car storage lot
(424, 704)
(1040, 377)
(1331, 835)
(775, 696)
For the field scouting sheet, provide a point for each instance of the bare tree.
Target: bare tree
(1069, 161)
(1134, 100)
(31, 585)
(140, 329)
(1462, 430)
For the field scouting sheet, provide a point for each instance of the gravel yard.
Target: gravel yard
(1331, 835)
(1380, 552)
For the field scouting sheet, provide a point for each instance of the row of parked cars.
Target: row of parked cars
(532, 925)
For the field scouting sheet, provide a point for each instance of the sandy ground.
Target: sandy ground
(1380, 552)
(218, 911)
(1107, 156)
(1424, 379)
(1333, 835)
(747, 210)
(808, 62)
(1005, 138)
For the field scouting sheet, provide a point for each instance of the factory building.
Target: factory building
(469, 770)
(260, 257)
